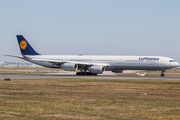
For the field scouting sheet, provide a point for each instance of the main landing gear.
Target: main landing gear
(162, 73)
(85, 73)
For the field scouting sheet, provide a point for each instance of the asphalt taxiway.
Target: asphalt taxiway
(61, 75)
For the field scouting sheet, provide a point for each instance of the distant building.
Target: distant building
(17, 64)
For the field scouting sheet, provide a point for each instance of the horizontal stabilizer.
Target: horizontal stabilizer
(15, 56)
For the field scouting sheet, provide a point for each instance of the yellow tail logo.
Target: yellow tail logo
(23, 44)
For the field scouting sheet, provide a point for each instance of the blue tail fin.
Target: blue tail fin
(25, 47)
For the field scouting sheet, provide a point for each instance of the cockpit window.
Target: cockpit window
(171, 60)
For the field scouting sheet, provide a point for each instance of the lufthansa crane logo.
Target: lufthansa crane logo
(23, 44)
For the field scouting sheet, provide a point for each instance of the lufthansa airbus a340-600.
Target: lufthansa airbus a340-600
(93, 65)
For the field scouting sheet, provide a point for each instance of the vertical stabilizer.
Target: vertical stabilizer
(25, 47)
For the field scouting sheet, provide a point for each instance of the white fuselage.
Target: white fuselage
(111, 62)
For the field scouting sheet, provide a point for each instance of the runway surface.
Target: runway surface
(62, 75)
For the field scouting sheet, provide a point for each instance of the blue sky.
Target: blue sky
(94, 27)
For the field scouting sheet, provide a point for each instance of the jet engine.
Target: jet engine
(70, 66)
(97, 69)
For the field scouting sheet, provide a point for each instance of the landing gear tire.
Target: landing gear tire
(88, 73)
(162, 75)
(85, 73)
(77, 73)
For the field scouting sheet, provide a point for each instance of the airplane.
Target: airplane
(94, 64)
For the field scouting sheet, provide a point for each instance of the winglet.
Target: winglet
(25, 47)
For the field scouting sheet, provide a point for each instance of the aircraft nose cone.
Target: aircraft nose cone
(177, 63)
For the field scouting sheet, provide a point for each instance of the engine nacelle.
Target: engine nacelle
(69, 66)
(117, 71)
(97, 69)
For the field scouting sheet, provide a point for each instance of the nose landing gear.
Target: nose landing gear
(162, 73)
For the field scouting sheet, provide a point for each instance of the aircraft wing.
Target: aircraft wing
(48, 60)
(15, 56)
(75, 62)
(60, 62)
(89, 64)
